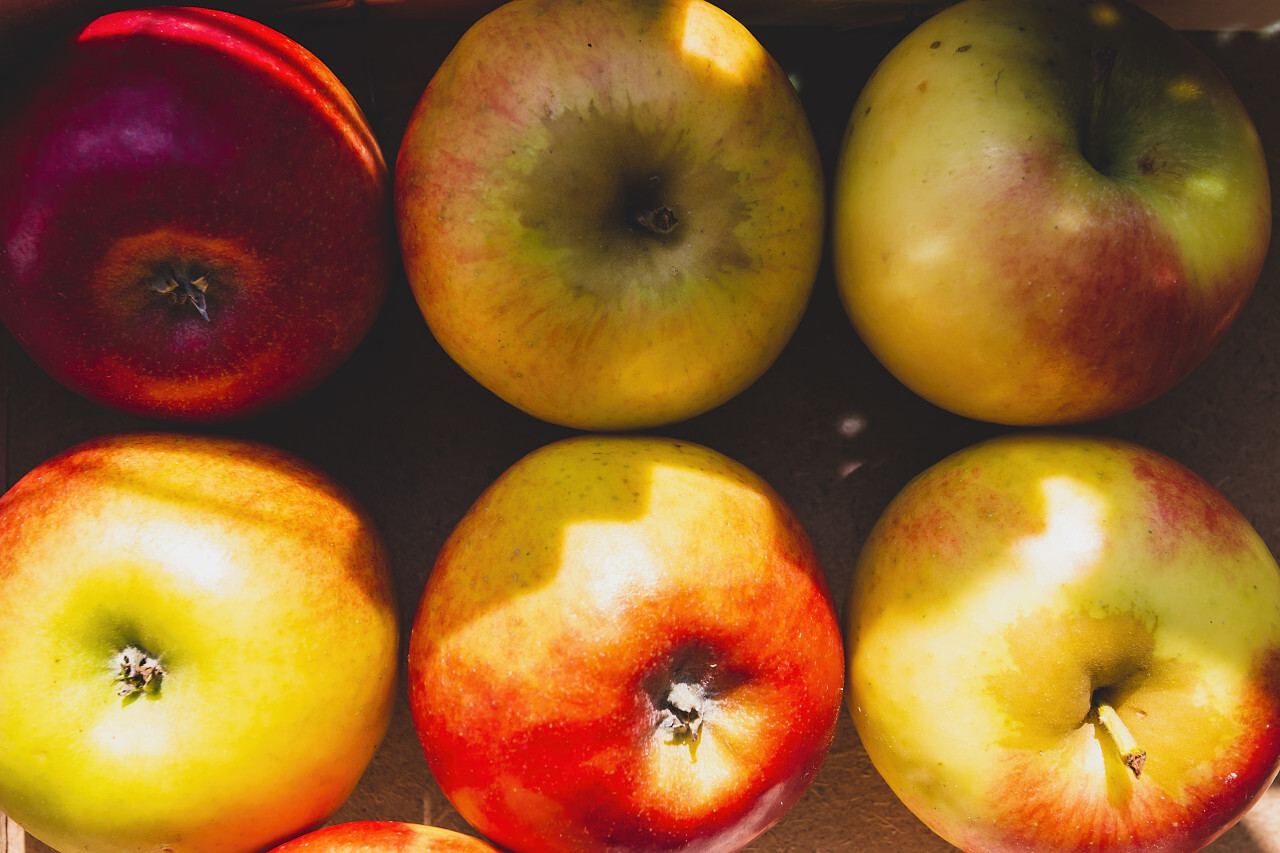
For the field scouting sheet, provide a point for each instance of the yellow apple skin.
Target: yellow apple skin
(1016, 585)
(1014, 260)
(263, 589)
(589, 580)
(547, 130)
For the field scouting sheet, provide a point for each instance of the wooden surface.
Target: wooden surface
(417, 440)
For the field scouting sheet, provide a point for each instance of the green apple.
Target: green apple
(1062, 642)
(627, 644)
(611, 213)
(1047, 212)
(199, 646)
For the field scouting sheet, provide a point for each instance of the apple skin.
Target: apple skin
(1009, 258)
(1021, 582)
(263, 589)
(384, 836)
(548, 134)
(587, 582)
(189, 140)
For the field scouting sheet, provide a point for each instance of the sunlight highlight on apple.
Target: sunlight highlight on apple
(1072, 537)
(710, 34)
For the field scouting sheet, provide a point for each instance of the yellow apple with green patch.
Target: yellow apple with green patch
(611, 213)
(199, 646)
(627, 644)
(1047, 212)
(1067, 642)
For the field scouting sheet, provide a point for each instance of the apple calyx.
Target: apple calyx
(182, 287)
(139, 672)
(650, 214)
(1130, 753)
(681, 715)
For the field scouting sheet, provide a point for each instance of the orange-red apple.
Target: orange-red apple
(627, 644)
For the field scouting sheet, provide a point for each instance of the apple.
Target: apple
(199, 646)
(195, 218)
(610, 213)
(1067, 642)
(384, 836)
(1046, 212)
(626, 644)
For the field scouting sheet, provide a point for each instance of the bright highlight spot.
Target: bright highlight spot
(1185, 89)
(713, 36)
(1072, 537)
(1104, 14)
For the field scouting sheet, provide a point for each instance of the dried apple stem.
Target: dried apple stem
(1104, 61)
(1133, 756)
(137, 672)
(681, 716)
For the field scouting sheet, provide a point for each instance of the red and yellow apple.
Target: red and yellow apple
(611, 213)
(626, 644)
(199, 646)
(384, 836)
(1063, 642)
(195, 217)
(1047, 212)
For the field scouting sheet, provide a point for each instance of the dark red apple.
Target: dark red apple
(194, 215)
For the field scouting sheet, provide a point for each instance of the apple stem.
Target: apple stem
(681, 715)
(138, 672)
(1104, 61)
(182, 289)
(1133, 757)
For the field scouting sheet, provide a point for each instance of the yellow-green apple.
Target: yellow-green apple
(626, 644)
(195, 218)
(611, 213)
(384, 836)
(1047, 212)
(199, 646)
(1067, 642)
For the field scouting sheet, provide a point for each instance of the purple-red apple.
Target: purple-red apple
(1047, 212)
(626, 644)
(195, 216)
(199, 646)
(1062, 642)
(611, 213)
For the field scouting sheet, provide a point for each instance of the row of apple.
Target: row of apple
(1007, 166)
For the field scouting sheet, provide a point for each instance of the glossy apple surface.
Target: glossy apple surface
(195, 218)
(611, 213)
(384, 836)
(1014, 592)
(627, 644)
(261, 590)
(1047, 212)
